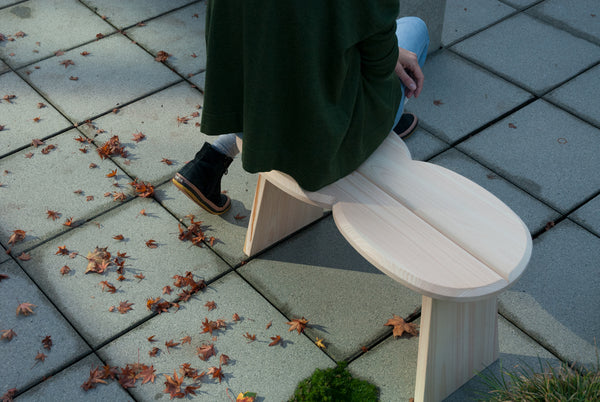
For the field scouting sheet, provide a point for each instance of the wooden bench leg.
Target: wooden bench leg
(456, 341)
(275, 215)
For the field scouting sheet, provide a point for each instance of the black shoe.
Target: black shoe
(407, 125)
(200, 179)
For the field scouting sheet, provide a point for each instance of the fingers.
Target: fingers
(409, 84)
(409, 72)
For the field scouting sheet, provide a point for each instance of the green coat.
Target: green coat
(310, 83)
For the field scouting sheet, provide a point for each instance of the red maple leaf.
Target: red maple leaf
(25, 308)
(124, 307)
(205, 351)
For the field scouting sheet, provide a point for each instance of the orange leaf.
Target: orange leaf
(275, 339)
(8, 334)
(118, 237)
(210, 305)
(65, 270)
(151, 244)
(137, 137)
(25, 308)
(216, 373)
(400, 326)
(53, 214)
(112, 173)
(297, 324)
(124, 307)
(205, 351)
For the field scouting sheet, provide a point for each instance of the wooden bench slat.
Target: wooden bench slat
(407, 248)
(460, 209)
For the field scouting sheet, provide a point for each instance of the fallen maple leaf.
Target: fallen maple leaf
(53, 214)
(137, 137)
(162, 56)
(236, 317)
(216, 373)
(269, 324)
(36, 142)
(8, 334)
(40, 357)
(275, 339)
(438, 102)
(154, 352)
(166, 161)
(112, 173)
(210, 305)
(68, 222)
(511, 125)
(67, 63)
(118, 237)
(142, 189)
(47, 342)
(98, 260)
(24, 257)
(246, 397)
(96, 377)
(110, 287)
(3, 276)
(171, 344)
(16, 237)
(25, 308)
(167, 290)
(186, 339)
(173, 384)
(400, 326)
(190, 389)
(124, 307)
(238, 216)
(205, 351)
(147, 375)
(297, 324)
(319, 343)
(223, 360)
(65, 270)
(151, 244)
(8, 395)
(139, 276)
(250, 337)
(62, 250)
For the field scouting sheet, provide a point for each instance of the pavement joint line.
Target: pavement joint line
(24, 147)
(13, 4)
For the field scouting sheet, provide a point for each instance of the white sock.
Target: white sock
(227, 145)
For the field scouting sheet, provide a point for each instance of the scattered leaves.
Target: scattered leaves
(297, 324)
(142, 189)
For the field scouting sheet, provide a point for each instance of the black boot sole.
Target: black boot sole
(192, 192)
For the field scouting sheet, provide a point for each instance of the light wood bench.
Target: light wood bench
(430, 229)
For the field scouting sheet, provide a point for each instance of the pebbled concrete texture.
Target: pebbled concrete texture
(579, 96)
(156, 265)
(536, 55)
(588, 215)
(322, 285)
(19, 368)
(514, 111)
(253, 366)
(581, 20)
(464, 17)
(454, 85)
(25, 117)
(542, 134)
(47, 182)
(101, 84)
(47, 29)
(534, 213)
(123, 14)
(68, 383)
(180, 34)
(555, 298)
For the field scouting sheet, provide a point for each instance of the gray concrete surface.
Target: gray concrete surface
(515, 111)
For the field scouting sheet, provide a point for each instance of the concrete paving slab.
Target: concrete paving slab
(555, 301)
(517, 352)
(230, 228)
(582, 20)
(165, 138)
(392, 365)
(47, 29)
(180, 34)
(534, 213)
(579, 96)
(123, 14)
(588, 215)
(549, 154)
(463, 17)
(3, 67)
(318, 275)
(198, 80)
(102, 84)
(453, 86)
(520, 4)
(46, 182)
(67, 384)
(271, 372)
(19, 368)
(529, 52)
(25, 117)
(3, 255)
(423, 145)
(157, 265)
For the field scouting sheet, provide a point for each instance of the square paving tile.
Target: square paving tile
(126, 13)
(48, 28)
(68, 383)
(423, 145)
(555, 301)
(180, 34)
(271, 372)
(529, 52)
(46, 182)
(532, 212)
(392, 365)
(457, 86)
(114, 72)
(589, 215)
(464, 17)
(579, 96)
(81, 296)
(3, 67)
(230, 228)
(23, 118)
(318, 275)
(165, 138)
(582, 18)
(19, 368)
(550, 154)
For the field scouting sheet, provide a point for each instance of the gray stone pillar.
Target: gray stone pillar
(430, 11)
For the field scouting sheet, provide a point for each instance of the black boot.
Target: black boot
(200, 179)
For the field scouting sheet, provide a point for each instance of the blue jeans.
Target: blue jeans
(412, 35)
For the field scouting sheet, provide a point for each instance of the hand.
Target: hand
(409, 72)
